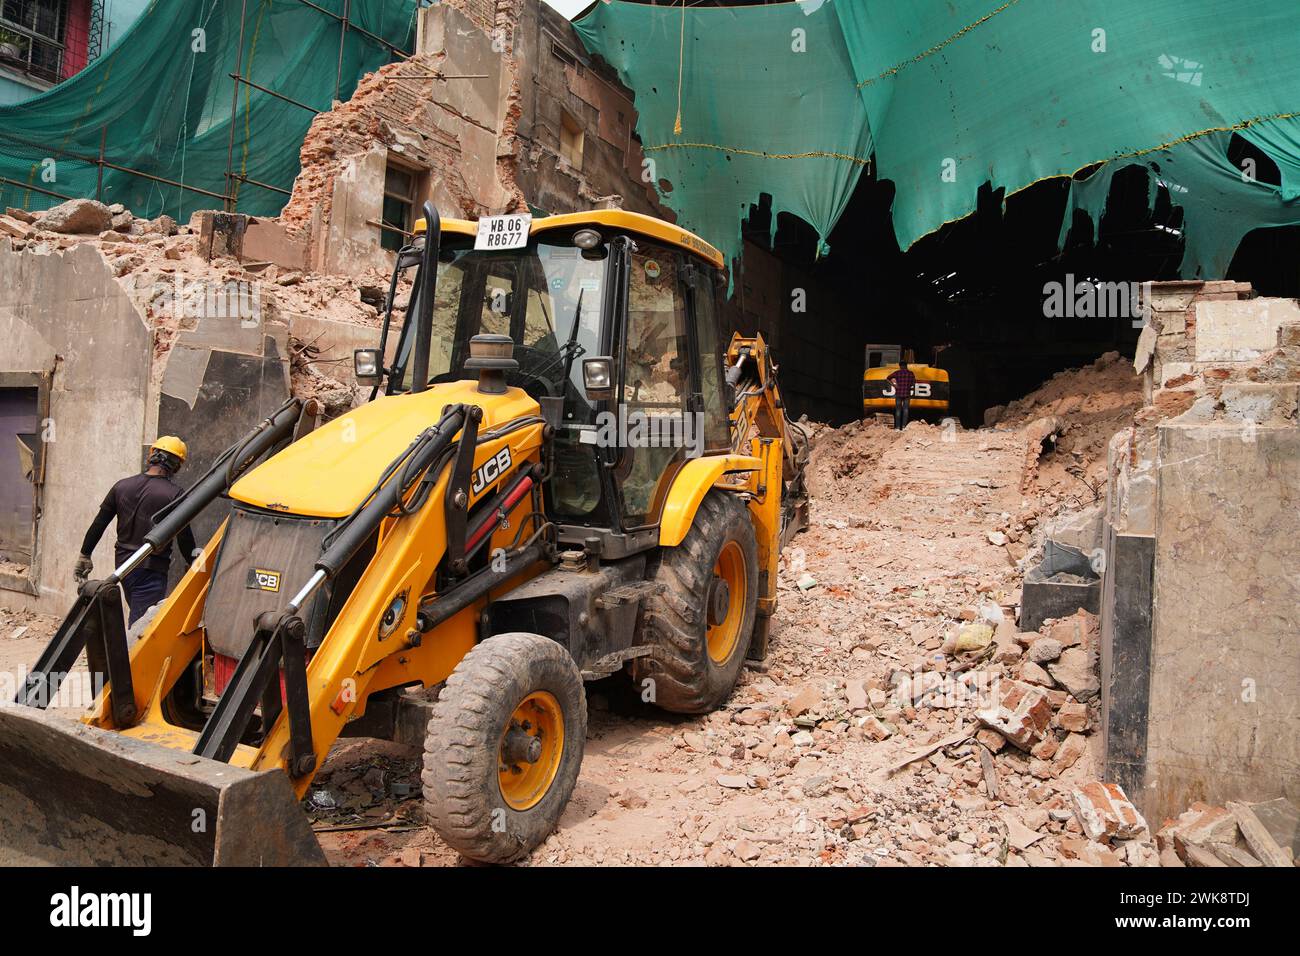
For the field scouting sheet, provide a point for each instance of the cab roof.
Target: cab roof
(617, 219)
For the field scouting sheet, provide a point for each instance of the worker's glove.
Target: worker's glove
(82, 569)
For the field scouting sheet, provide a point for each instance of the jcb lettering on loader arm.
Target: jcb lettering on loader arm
(454, 532)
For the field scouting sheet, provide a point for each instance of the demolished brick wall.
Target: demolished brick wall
(478, 107)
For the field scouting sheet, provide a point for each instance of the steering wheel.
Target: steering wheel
(538, 358)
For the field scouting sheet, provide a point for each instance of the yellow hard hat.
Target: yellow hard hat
(170, 444)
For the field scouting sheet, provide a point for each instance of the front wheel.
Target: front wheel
(504, 747)
(701, 624)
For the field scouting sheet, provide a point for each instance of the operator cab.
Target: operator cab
(613, 316)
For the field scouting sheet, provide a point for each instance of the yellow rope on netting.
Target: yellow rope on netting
(681, 60)
(811, 154)
(939, 46)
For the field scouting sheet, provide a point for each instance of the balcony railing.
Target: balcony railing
(25, 47)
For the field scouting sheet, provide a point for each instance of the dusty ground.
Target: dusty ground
(912, 536)
(791, 771)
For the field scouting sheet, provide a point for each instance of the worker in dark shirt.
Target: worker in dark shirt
(133, 502)
(904, 382)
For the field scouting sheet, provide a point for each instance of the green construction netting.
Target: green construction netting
(959, 93)
(763, 104)
(159, 102)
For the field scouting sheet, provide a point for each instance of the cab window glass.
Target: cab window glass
(717, 430)
(655, 382)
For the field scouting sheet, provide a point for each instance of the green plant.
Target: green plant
(13, 39)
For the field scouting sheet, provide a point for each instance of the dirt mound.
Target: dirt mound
(1109, 385)
(842, 461)
(1090, 404)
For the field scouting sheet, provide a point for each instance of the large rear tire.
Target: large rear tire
(504, 747)
(701, 624)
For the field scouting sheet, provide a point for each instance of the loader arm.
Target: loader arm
(778, 499)
(758, 413)
(449, 521)
(368, 649)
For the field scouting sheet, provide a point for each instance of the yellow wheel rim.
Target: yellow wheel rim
(524, 783)
(730, 567)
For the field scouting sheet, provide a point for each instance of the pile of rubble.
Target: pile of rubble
(166, 271)
(1073, 416)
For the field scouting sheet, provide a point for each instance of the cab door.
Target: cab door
(657, 387)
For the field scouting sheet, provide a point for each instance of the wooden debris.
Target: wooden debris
(990, 772)
(922, 752)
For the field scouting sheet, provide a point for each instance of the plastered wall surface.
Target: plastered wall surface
(65, 312)
(1225, 664)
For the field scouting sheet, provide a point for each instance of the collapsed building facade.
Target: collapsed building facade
(123, 329)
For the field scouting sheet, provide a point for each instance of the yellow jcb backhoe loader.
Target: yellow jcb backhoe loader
(556, 478)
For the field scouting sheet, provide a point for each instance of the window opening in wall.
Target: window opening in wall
(401, 199)
(571, 140)
(21, 473)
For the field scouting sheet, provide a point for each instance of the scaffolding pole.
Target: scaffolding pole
(343, 37)
(345, 26)
(234, 111)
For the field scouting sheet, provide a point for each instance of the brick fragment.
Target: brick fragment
(1023, 714)
(1105, 812)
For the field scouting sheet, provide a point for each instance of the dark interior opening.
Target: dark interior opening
(971, 297)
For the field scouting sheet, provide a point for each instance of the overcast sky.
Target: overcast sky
(569, 8)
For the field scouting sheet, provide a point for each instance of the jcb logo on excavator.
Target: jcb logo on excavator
(491, 470)
(919, 390)
(260, 579)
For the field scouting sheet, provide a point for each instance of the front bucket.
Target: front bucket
(76, 795)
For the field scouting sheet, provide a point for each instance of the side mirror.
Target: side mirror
(367, 366)
(598, 378)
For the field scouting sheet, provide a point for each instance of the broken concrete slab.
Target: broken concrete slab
(1258, 837)
(1281, 818)
(78, 216)
(1076, 671)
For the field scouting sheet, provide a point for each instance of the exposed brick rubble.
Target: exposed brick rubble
(160, 266)
(393, 106)
(1240, 834)
(901, 718)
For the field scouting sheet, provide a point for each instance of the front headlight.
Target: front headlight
(367, 367)
(598, 377)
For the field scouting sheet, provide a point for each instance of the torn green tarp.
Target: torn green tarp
(159, 102)
(963, 92)
(763, 109)
(1032, 89)
(1221, 201)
